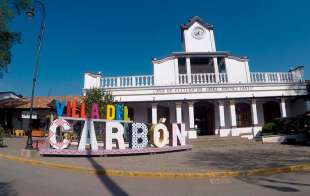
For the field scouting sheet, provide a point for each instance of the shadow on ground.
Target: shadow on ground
(112, 186)
(244, 159)
(7, 189)
(277, 183)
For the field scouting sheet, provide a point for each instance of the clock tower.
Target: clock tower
(197, 36)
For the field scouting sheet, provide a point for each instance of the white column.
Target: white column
(191, 115)
(307, 102)
(188, 69)
(178, 108)
(233, 114)
(283, 108)
(118, 82)
(216, 69)
(254, 113)
(154, 113)
(133, 80)
(222, 114)
(176, 70)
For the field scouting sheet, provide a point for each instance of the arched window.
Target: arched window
(271, 111)
(243, 114)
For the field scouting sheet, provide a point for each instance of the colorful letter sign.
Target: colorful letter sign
(138, 136)
(178, 134)
(94, 111)
(159, 135)
(52, 136)
(113, 131)
(110, 112)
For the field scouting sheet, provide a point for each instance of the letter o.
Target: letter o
(159, 135)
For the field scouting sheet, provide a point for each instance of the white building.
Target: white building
(213, 92)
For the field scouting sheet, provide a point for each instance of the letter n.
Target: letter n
(178, 134)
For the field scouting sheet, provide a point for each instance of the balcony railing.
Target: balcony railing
(127, 81)
(202, 78)
(274, 77)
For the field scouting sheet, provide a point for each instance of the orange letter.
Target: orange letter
(69, 109)
(73, 109)
(82, 110)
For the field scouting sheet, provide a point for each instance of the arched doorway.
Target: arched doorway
(243, 115)
(271, 111)
(204, 117)
(163, 112)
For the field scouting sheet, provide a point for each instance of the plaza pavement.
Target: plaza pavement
(27, 180)
(202, 158)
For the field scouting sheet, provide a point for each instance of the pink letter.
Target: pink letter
(94, 111)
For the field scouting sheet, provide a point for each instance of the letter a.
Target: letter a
(94, 111)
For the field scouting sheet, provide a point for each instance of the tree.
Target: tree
(8, 10)
(98, 96)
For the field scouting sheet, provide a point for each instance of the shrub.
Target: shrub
(299, 124)
(1, 136)
(269, 128)
(1, 132)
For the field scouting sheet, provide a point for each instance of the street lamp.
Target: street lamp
(30, 13)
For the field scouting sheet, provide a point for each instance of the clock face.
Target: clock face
(198, 33)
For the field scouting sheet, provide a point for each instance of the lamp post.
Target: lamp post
(30, 13)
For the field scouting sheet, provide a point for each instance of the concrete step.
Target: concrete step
(219, 141)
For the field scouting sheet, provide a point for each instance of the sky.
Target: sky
(121, 37)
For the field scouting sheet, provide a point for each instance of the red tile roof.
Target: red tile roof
(43, 102)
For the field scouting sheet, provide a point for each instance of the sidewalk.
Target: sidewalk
(200, 159)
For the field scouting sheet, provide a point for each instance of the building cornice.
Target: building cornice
(199, 54)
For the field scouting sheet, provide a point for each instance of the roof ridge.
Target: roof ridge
(198, 19)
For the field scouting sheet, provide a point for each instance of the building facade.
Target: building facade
(212, 92)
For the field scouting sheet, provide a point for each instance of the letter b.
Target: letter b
(138, 136)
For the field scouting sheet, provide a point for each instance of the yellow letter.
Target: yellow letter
(125, 113)
(110, 112)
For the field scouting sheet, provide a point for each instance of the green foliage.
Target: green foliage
(8, 10)
(299, 124)
(1, 132)
(108, 97)
(269, 128)
(98, 96)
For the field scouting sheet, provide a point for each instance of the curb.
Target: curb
(211, 174)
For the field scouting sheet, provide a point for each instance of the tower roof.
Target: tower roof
(196, 19)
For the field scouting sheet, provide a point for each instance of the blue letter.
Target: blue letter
(119, 112)
(60, 107)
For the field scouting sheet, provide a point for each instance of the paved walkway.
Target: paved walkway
(24, 180)
(202, 158)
